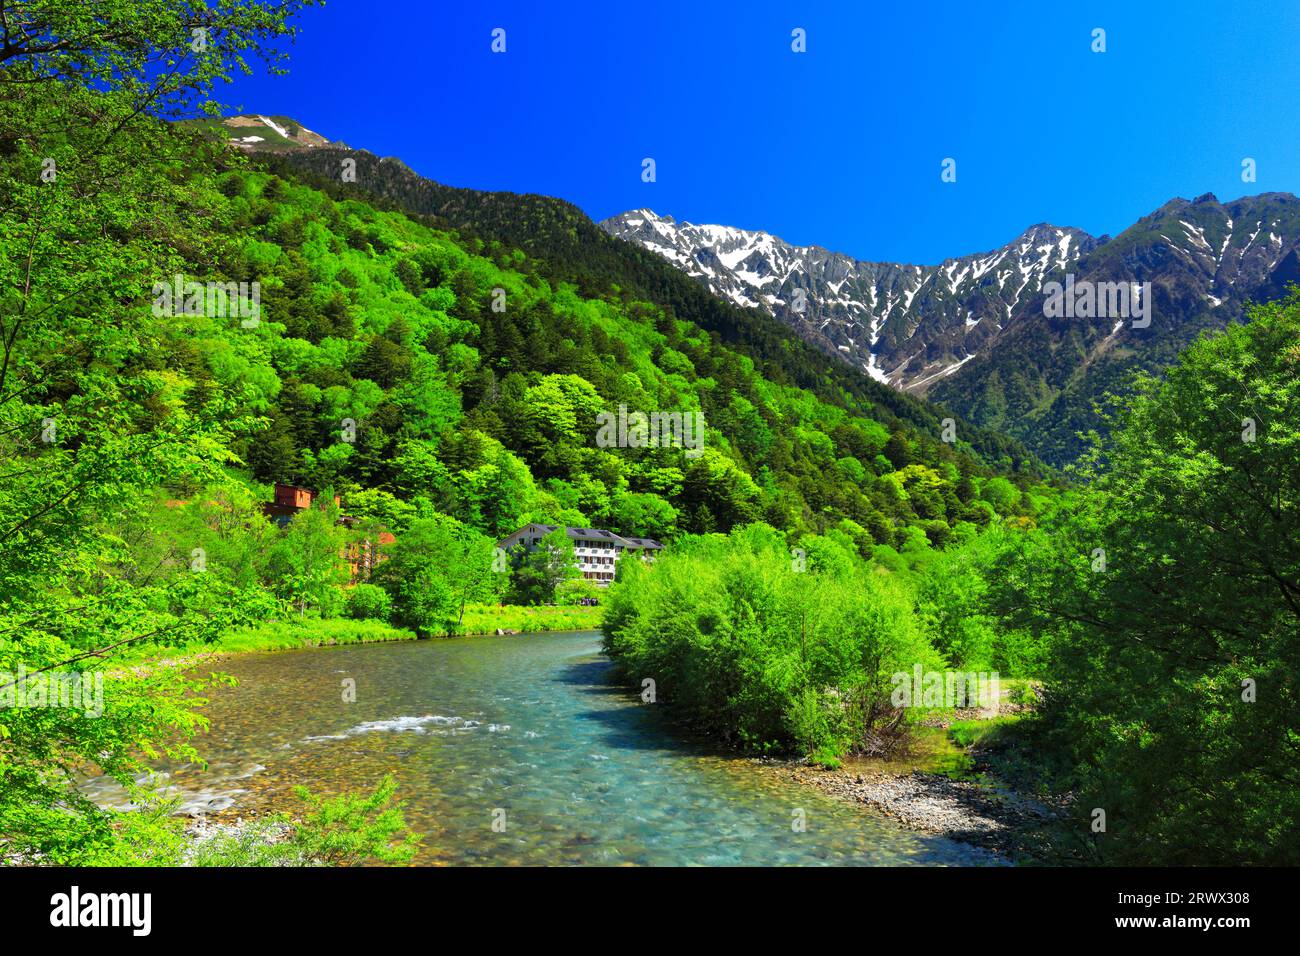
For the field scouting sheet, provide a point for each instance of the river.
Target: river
(527, 731)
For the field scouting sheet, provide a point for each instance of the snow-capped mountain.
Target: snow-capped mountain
(255, 132)
(973, 332)
(903, 324)
(1204, 260)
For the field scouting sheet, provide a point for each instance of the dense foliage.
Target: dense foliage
(780, 648)
(98, 414)
(565, 247)
(1170, 598)
(1159, 603)
(474, 387)
(753, 647)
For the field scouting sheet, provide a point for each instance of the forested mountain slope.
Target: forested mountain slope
(409, 367)
(564, 245)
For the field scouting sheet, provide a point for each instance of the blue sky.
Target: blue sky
(840, 146)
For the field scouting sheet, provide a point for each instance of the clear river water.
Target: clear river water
(527, 730)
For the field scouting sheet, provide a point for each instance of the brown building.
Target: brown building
(366, 553)
(289, 500)
(362, 556)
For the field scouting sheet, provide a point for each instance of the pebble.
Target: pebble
(975, 813)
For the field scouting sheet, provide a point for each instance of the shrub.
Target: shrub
(368, 602)
(745, 646)
(571, 593)
(354, 829)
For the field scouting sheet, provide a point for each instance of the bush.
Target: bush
(351, 830)
(743, 645)
(368, 602)
(571, 593)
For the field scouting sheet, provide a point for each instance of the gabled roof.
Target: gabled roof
(593, 533)
(596, 534)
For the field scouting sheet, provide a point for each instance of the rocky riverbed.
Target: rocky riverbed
(975, 812)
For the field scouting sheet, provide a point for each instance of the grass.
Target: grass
(487, 618)
(988, 733)
(949, 750)
(930, 750)
(276, 636)
(294, 633)
(289, 635)
(1010, 747)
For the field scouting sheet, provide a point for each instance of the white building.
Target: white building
(596, 551)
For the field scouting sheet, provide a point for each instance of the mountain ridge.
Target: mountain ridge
(1204, 262)
(868, 312)
(567, 246)
(969, 333)
(997, 359)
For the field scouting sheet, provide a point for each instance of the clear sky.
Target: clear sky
(840, 146)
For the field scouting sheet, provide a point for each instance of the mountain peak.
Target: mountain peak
(256, 132)
(1041, 227)
(904, 324)
(644, 214)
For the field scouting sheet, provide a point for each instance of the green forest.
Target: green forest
(1156, 600)
(438, 361)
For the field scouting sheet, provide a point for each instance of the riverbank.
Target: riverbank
(976, 812)
(955, 781)
(287, 635)
(295, 634)
(478, 620)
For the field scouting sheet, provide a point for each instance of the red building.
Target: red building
(362, 555)
(289, 500)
